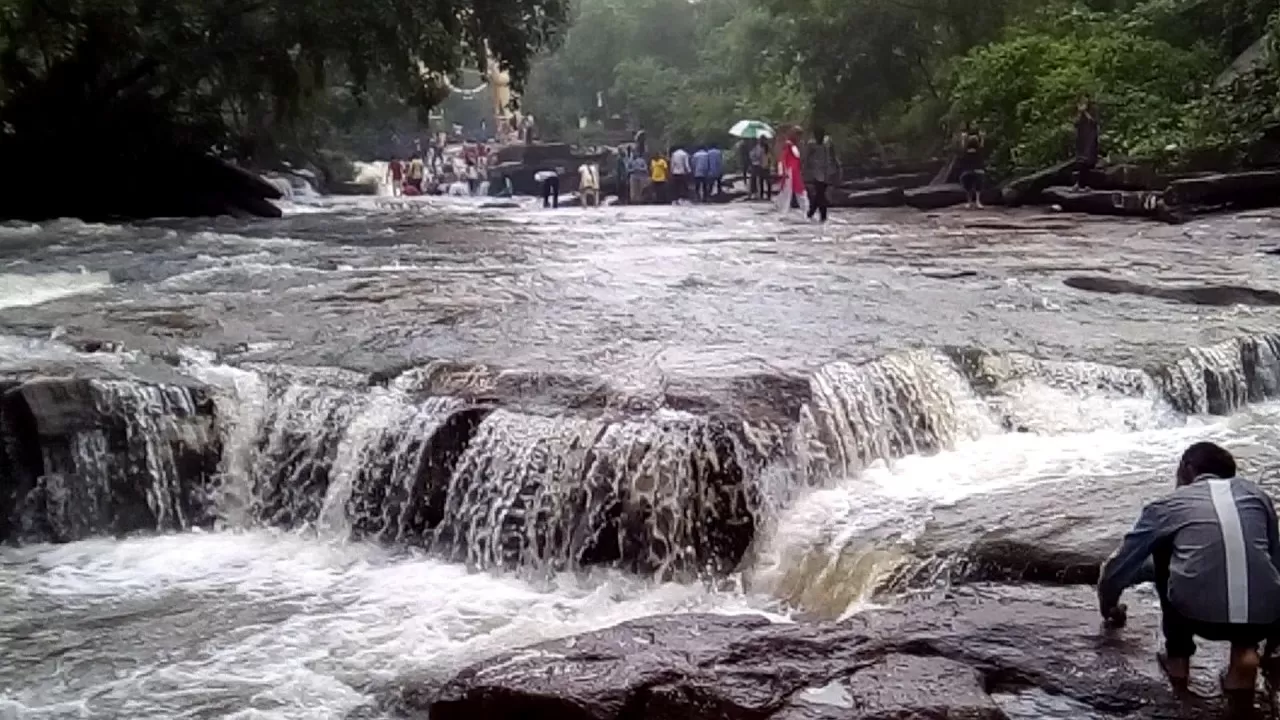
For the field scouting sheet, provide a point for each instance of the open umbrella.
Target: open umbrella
(751, 129)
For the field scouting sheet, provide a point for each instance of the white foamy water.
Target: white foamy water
(18, 290)
(265, 625)
(834, 545)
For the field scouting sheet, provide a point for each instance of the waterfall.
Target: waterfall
(662, 494)
(916, 402)
(502, 468)
(114, 456)
(1223, 378)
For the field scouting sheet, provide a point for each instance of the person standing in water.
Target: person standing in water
(821, 169)
(589, 184)
(701, 165)
(658, 172)
(622, 163)
(761, 182)
(550, 180)
(637, 173)
(395, 175)
(972, 164)
(680, 172)
(1216, 554)
(417, 172)
(715, 171)
(1086, 139)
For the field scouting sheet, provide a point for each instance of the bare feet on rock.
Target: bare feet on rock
(1178, 670)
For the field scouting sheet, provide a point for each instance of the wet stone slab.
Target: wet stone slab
(977, 653)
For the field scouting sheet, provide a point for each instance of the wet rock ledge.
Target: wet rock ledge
(979, 653)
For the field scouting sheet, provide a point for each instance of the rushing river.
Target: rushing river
(252, 620)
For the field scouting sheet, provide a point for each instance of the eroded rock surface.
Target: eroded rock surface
(971, 654)
(90, 456)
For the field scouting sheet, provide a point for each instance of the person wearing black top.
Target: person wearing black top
(972, 164)
(1086, 139)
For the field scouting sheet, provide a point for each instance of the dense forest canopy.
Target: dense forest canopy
(894, 79)
(254, 77)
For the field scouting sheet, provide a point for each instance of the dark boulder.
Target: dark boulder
(1125, 176)
(1258, 188)
(935, 197)
(1119, 203)
(878, 197)
(519, 163)
(353, 188)
(987, 538)
(533, 153)
(174, 184)
(93, 456)
(901, 181)
(979, 653)
(770, 398)
(1027, 188)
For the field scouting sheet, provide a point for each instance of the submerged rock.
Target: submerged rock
(1033, 534)
(972, 654)
(1212, 295)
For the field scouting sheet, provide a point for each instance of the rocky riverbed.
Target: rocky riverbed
(982, 652)
(336, 465)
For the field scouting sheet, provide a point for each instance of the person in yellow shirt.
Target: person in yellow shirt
(658, 170)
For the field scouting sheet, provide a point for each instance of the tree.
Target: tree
(245, 70)
(140, 91)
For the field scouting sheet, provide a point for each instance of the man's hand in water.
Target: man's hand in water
(1115, 617)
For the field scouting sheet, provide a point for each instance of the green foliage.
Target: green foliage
(247, 73)
(1024, 90)
(683, 71)
(893, 79)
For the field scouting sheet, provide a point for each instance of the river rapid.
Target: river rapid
(252, 620)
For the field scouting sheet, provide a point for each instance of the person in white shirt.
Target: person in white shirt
(680, 172)
(589, 184)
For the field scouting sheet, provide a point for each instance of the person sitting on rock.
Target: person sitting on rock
(1216, 556)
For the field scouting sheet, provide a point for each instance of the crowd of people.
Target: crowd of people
(801, 172)
(432, 173)
(793, 170)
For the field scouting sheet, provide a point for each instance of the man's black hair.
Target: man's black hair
(1206, 458)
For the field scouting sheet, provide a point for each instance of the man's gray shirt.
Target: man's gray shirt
(1225, 552)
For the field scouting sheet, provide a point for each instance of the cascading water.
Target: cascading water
(818, 515)
(114, 456)
(664, 493)
(900, 404)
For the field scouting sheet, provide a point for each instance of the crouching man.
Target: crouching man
(1214, 545)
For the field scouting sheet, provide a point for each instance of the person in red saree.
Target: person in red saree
(792, 184)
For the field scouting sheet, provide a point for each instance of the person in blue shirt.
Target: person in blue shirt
(715, 171)
(701, 165)
(638, 175)
(1214, 549)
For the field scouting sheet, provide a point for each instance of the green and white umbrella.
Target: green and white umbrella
(751, 129)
